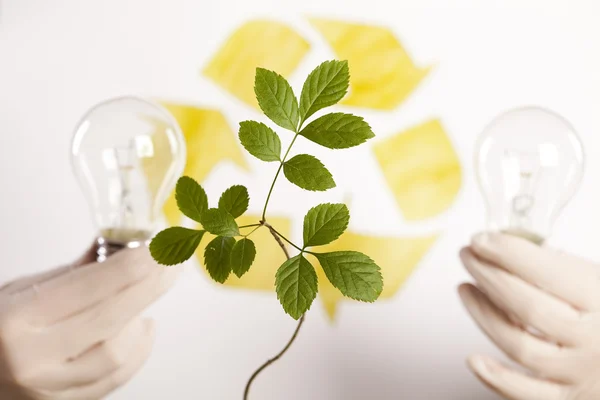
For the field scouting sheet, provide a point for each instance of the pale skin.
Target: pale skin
(542, 308)
(75, 332)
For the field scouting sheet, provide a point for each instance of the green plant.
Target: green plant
(354, 274)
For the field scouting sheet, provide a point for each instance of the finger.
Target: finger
(541, 357)
(531, 306)
(97, 362)
(80, 288)
(117, 378)
(27, 282)
(105, 319)
(14, 288)
(514, 385)
(572, 279)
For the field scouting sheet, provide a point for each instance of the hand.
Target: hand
(75, 332)
(556, 296)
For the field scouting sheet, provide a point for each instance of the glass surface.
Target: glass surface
(529, 163)
(127, 154)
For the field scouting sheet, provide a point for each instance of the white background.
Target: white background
(57, 58)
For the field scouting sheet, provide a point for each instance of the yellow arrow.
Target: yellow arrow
(257, 43)
(422, 169)
(396, 256)
(382, 73)
(209, 140)
(420, 165)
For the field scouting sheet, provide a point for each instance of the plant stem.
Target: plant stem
(250, 226)
(278, 239)
(252, 231)
(270, 361)
(277, 357)
(277, 175)
(279, 236)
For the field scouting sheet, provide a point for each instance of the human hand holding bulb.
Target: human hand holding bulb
(541, 307)
(75, 332)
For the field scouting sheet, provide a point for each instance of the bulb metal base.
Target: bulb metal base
(107, 246)
(525, 234)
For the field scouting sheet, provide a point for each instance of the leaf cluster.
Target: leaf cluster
(223, 254)
(354, 274)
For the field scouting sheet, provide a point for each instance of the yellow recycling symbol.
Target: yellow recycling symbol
(420, 164)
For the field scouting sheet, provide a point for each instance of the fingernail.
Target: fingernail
(480, 239)
(464, 253)
(464, 291)
(484, 366)
(471, 299)
(479, 366)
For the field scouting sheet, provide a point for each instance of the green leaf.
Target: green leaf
(191, 198)
(296, 285)
(242, 256)
(325, 223)
(308, 173)
(175, 245)
(325, 86)
(260, 141)
(234, 200)
(276, 98)
(219, 222)
(338, 131)
(217, 256)
(353, 273)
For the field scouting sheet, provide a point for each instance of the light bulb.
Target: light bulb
(127, 154)
(529, 163)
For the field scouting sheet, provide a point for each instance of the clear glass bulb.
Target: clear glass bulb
(127, 154)
(529, 163)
